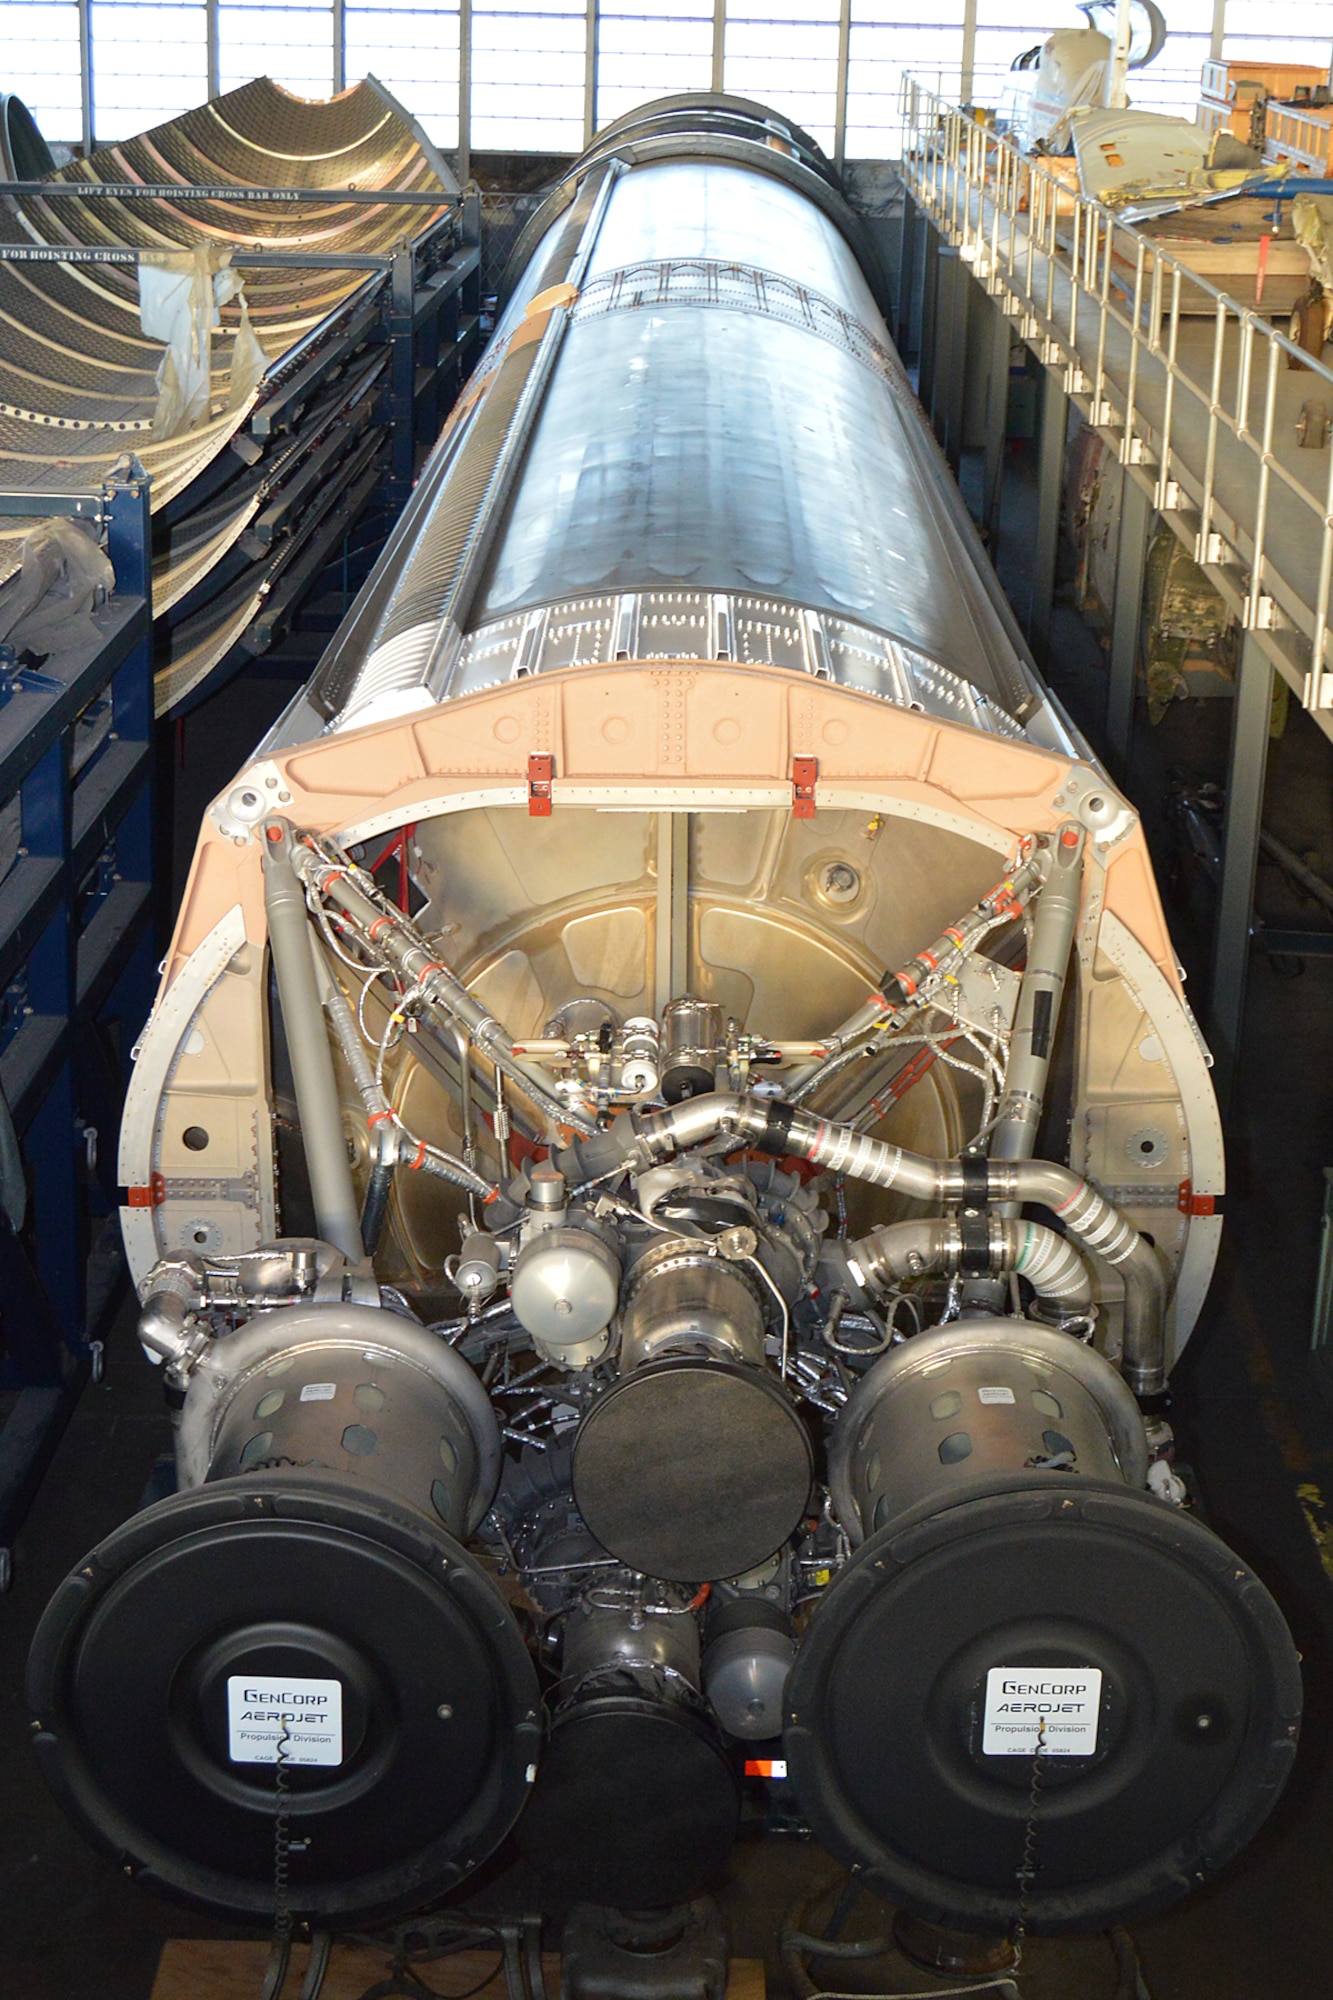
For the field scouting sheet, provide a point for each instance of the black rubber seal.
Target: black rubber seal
(776, 1135)
(974, 1232)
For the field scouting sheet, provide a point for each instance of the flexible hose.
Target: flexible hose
(355, 1053)
(321, 1950)
(817, 1947)
(387, 932)
(1129, 1973)
(376, 1205)
(795, 1945)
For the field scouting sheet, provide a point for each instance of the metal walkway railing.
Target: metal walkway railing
(1200, 393)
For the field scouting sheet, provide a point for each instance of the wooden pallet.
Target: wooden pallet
(208, 1969)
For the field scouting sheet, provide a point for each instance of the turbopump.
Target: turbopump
(670, 1171)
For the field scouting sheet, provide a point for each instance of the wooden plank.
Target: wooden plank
(745, 1979)
(213, 1969)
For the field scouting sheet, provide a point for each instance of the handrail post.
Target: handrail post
(1240, 856)
(1126, 618)
(1050, 479)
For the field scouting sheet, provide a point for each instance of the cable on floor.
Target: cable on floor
(797, 1944)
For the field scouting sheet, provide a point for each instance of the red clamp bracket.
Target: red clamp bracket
(1190, 1203)
(541, 770)
(151, 1196)
(804, 774)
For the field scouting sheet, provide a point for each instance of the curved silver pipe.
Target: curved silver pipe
(337, 1214)
(173, 1293)
(902, 1250)
(773, 1127)
(1089, 1216)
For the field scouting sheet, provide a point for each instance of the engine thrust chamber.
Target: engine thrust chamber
(162, 1669)
(310, 1575)
(636, 1804)
(1158, 1668)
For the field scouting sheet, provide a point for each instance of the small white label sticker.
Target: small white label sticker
(304, 1717)
(1058, 1706)
(324, 1392)
(995, 1395)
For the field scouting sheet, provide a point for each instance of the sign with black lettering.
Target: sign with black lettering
(1056, 1707)
(300, 1721)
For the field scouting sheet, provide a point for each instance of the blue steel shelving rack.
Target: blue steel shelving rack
(79, 923)
(77, 965)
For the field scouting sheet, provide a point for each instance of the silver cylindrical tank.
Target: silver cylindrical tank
(691, 1043)
(564, 1291)
(750, 1652)
(695, 441)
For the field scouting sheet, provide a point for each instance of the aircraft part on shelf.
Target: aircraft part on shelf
(78, 381)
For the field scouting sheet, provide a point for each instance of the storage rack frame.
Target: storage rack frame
(80, 917)
(76, 956)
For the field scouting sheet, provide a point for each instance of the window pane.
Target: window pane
(652, 54)
(528, 64)
(1171, 83)
(150, 63)
(890, 39)
(41, 64)
(413, 50)
(786, 55)
(1261, 34)
(293, 45)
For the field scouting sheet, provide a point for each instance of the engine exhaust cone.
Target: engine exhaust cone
(1161, 1668)
(692, 1470)
(162, 1669)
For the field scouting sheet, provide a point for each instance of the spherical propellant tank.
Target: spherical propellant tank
(677, 960)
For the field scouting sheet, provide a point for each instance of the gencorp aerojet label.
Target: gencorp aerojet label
(1056, 1706)
(305, 1717)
